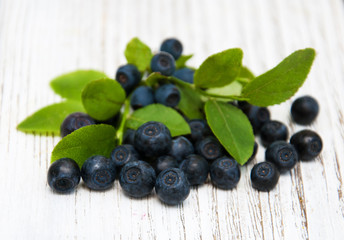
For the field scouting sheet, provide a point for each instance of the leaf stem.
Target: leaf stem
(121, 129)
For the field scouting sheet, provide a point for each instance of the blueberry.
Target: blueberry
(172, 186)
(141, 97)
(209, 148)
(225, 173)
(196, 169)
(308, 144)
(168, 95)
(137, 179)
(172, 46)
(273, 131)
(258, 116)
(304, 110)
(153, 139)
(185, 74)
(129, 136)
(165, 162)
(163, 63)
(123, 154)
(244, 106)
(264, 176)
(181, 148)
(64, 175)
(98, 172)
(255, 150)
(282, 154)
(75, 121)
(199, 129)
(128, 76)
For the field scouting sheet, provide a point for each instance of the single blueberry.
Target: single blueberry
(225, 173)
(258, 116)
(273, 131)
(255, 150)
(209, 148)
(75, 121)
(123, 154)
(282, 154)
(172, 186)
(141, 97)
(264, 176)
(172, 46)
(64, 175)
(196, 169)
(137, 179)
(199, 129)
(185, 74)
(304, 110)
(244, 106)
(98, 172)
(129, 136)
(153, 139)
(163, 63)
(181, 148)
(168, 95)
(128, 76)
(165, 162)
(308, 144)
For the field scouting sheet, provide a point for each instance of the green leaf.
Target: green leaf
(103, 98)
(233, 88)
(281, 82)
(232, 128)
(246, 73)
(219, 69)
(156, 78)
(139, 54)
(160, 113)
(49, 119)
(71, 84)
(86, 142)
(181, 61)
(190, 103)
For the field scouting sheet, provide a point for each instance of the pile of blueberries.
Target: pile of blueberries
(150, 158)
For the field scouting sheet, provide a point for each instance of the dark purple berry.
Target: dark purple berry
(75, 121)
(264, 176)
(163, 63)
(225, 173)
(273, 131)
(196, 169)
(173, 46)
(164, 162)
(153, 139)
(304, 110)
(181, 148)
(137, 179)
(64, 175)
(308, 144)
(282, 154)
(209, 148)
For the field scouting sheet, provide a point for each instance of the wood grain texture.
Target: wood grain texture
(41, 39)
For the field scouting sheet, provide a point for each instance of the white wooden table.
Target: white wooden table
(40, 39)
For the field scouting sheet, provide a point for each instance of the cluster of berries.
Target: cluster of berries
(151, 159)
(280, 155)
(163, 62)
